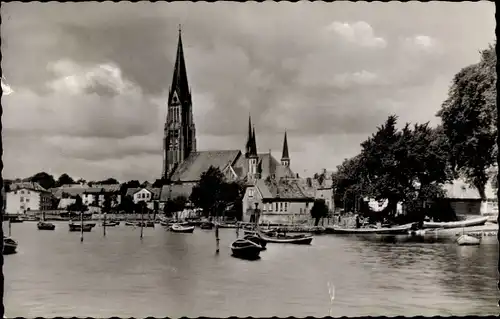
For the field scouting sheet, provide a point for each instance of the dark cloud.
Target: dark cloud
(314, 69)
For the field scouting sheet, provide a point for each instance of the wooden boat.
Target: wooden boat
(281, 238)
(163, 223)
(176, 228)
(206, 225)
(131, 224)
(246, 249)
(30, 218)
(467, 240)
(227, 225)
(110, 223)
(392, 231)
(146, 224)
(257, 240)
(458, 224)
(9, 246)
(15, 219)
(78, 227)
(45, 226)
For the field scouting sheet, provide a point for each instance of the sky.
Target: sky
(90, 80)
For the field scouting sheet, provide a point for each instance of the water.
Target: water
(169, 274)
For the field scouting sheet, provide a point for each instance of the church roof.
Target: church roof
(198, 162)
(179, 78)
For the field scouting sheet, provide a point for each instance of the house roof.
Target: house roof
(109, 188)
(27, 185)
(155, 191)
(284, 188)
(198, 162)
(175, 190)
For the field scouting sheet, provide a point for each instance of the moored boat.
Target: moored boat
(206, 225)
(461, 223)
(45, 226)
(228, 225)
(110, 223)
(280, 238)
(130, 224)
(78, 227)
(9, 246)
(467, 240)
(246, 249)
(257, 240)
(176, 228)
(393, 230)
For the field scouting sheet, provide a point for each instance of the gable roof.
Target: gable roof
(175, 190)
(198, 162)
(27, 185)
(284, 189)
(155, 191)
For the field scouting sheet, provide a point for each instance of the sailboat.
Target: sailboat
(468, 240)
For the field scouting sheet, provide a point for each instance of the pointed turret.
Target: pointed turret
(254, 143)
(285, 157)
(248, 147)
(179, 79)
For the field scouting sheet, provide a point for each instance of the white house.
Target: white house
(27, 196)
(148, 195)
(283, 201)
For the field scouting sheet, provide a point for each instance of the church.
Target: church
(271, 184)
(184, 164)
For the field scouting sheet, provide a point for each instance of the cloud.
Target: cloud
(360, 33)
(91, 101)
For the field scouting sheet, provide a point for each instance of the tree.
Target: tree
(127, 185)
(207, 194)
(469, 116)
(64, 179)
(159, 183)
(43, 179)
(108, 181)
(127, 205)
(77, 206)
(319, 210)
(175, 205)
(106, 205)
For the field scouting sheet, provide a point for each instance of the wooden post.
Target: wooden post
(10, 227)
(142, 220)
(104, 225)
(237, 230)
(81, 226)
(217, 237)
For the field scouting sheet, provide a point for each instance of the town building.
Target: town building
(94, 196)
(148, 195)
(183, 163)
(27, 196)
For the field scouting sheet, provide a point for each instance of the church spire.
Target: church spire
(254, 143)
(248, 149)
(179, 78)
(285, 157)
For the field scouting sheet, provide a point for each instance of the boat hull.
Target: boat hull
(46, 226)
(296, 240)
(186, 230)
(9, 246)
(78, 228)
(466, 240)
(385, 231)
(465, 223)
(245, 249)
(257, 240)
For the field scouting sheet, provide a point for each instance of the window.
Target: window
(250, 192)
(286, 207)
(281, 207)
(27, 200)
(270, 207)
(21, 199)
(28, 192)
(300, 210)
(22, 192)
(276, 207)
(15, 192)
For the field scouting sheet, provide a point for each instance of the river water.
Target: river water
(169, 274)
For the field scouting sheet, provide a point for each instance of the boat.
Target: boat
(9, 246)
(467, 240)
(404, 229)
(163, 223)
(176, 228)
(227, 225)
(281, 238)
(458, 224)
(246, 249)
(206, 225)
(30, 218)
(257, 240)
(78, 227)
(131, 224)
(45, 226)
(110, 223)
(145, 224)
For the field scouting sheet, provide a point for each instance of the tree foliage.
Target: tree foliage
(468, 118)
(78, 205)
(64, 179)
(43, 179)
(213, 194)
(319, 210)
(175, 205)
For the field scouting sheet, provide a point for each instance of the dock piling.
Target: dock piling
(217, 238)
(142, 221)
(81, 227)
(10, 227)
(104, 225)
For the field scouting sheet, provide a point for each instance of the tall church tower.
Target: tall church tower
(285, 157)
(179, 132)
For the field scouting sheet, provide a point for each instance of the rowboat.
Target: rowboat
(285, 239)
(181, 229)
(467, 240)
(45, 226)
(246, 249)
(146, 224)
(130, 224)
(206, 225)
(257, 240)
(227, 225)
(78, 227)
(110, 223)
(9, 246)
(393, 230)
(458, 224)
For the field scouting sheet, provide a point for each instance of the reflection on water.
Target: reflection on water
(168, 274)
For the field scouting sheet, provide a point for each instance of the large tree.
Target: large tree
(43, 179)
(175, 205)
(108, 181)
(207, 193)
(469, 117)
(319, 210)
(64, 179)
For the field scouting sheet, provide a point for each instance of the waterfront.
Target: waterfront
(169, 274)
